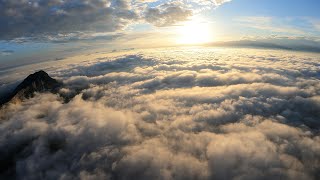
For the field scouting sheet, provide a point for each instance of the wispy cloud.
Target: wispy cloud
(270, 25)
(6, 52)
(315, 22)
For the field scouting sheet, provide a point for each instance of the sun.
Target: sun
(194, 32)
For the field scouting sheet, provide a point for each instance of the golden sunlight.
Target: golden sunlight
(194, 32)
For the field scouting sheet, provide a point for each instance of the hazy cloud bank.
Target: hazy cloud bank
(171, 114)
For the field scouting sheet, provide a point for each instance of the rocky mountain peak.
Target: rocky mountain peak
(37, 82)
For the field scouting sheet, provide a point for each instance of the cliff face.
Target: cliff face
(37, 82)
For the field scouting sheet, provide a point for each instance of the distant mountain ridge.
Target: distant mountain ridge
(287, 44)
(37, 82)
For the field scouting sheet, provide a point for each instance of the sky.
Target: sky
(32, 26)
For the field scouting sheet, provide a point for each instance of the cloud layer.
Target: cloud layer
(31, 18)
(171, 114)
(46, 18)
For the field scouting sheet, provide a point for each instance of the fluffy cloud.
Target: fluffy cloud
(30, 18)
(45, 19)
(171, 114)
(211, 2)
(167, 14)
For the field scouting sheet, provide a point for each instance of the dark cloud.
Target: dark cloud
(6, 52)
(167, 14)
(171, 114)
(43, 20)
(51, 17)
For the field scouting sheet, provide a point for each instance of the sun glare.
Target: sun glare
(194, 32)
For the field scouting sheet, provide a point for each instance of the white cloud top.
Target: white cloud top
(171, 114)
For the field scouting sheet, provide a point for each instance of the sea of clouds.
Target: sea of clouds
(171, 114)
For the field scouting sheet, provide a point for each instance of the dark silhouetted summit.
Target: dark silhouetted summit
(37, 82)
